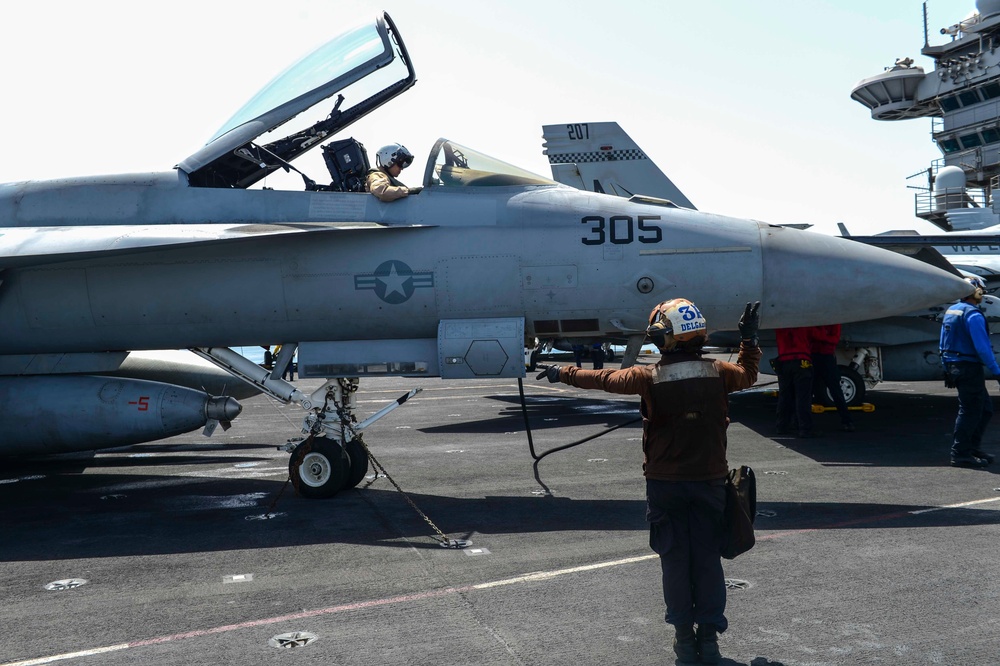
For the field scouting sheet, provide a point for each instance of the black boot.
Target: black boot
(969, 460)
(708, 644)
(985, 456)
(685, 646)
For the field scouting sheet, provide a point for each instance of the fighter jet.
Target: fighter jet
(450, 282)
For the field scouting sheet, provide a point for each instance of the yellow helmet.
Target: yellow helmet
(677, 324)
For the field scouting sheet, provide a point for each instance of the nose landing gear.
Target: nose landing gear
(334, 457)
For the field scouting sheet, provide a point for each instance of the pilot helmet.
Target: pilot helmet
(394, 153)
(978, 286)
(677, 324)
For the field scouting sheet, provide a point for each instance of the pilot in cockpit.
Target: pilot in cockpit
(390, 160)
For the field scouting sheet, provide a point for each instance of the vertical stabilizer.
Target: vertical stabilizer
(601, 157)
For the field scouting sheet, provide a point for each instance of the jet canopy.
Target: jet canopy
(365, 67)
(454, 165)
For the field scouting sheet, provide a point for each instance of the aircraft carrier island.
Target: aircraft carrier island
(961, 96)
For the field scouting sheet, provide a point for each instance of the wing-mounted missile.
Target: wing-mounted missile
(59, 414)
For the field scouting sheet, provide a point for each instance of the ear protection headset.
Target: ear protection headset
(980, 288)
(659, 329)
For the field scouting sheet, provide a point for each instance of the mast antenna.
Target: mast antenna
(926, 40)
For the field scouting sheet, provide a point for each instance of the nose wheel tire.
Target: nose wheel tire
(359, 463)
(319, 468)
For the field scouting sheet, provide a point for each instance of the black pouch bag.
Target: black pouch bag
(741, 509)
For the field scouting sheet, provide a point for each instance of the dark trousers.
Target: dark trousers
(827, 377)
(975, 407)
(795, 380)
(685, 530)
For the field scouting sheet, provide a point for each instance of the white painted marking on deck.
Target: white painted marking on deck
(548, 575)
(417, 596)
(69, 655)
(957, 506)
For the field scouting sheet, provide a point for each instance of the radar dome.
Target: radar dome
(949, 188)
(949, 178)
(988, 7)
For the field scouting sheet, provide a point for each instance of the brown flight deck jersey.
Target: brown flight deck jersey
(685, 409)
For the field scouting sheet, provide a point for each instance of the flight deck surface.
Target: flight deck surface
(870, 548)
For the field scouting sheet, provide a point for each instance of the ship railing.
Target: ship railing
(927, 202)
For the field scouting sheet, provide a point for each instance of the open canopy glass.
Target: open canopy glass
(453, 165)
(364, 67)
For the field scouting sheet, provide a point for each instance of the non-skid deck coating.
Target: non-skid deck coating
(870, 548)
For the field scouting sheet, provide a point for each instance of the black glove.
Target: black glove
(750, 322)
(414, 190)
(551, 372)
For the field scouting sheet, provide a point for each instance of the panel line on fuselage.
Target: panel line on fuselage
(698, 250)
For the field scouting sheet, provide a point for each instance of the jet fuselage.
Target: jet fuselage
(344, 266)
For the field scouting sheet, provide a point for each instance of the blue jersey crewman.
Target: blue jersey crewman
(965, 349)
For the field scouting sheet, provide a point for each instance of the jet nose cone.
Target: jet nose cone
(223, 408)
(811, 279)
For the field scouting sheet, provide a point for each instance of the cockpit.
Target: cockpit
(454, 165)
(363, 69)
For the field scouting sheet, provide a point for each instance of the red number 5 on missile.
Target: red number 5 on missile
(143, 403)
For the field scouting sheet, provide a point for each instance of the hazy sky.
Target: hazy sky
(745, 105)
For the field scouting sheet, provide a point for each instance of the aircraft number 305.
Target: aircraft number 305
(621, 230)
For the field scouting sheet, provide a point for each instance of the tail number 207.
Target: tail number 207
(621, 230)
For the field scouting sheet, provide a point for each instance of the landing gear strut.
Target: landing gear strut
(333, 456)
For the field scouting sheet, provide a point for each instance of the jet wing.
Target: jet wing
(32, 246)
(953, 239)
